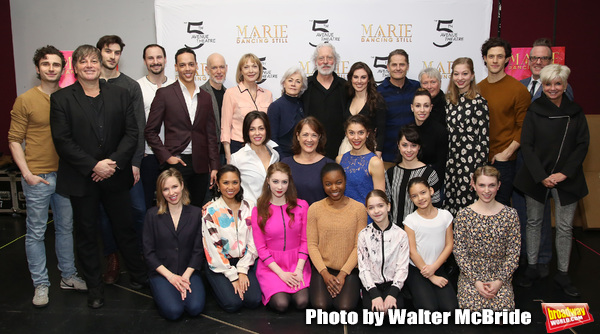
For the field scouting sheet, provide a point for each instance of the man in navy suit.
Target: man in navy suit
(95, 134)
(190, 145)
(540, 56)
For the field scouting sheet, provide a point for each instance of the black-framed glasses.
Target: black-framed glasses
(534, 58)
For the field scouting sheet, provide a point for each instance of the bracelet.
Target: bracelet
(172, 275)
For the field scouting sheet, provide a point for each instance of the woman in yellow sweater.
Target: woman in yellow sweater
(332, 231)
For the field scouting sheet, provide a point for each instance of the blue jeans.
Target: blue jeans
(168, 298)
(38, 198)
(138, 212)
(507, 176)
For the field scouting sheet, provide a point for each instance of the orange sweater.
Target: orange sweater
(332, 234)
(508, 100)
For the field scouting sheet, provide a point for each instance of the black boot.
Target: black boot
(530, 275)
(564, 282)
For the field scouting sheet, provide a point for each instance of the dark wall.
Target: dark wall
(525, 21)
(8, 86)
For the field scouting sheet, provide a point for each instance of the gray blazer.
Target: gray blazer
(207, 88)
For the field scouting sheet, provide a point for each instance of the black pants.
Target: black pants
(429, 296)
(384, 289)
(149, 171)
(85, 217)
(195, 183)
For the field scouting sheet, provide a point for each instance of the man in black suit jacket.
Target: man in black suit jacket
(95, 134)
(191, 145)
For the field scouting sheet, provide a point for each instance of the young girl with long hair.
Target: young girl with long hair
(429, 231)
(279, 229)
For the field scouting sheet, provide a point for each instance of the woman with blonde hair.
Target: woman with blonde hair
(467, 120)
(238, 101)
(174, 276)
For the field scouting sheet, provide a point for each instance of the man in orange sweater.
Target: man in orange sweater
(508, 101)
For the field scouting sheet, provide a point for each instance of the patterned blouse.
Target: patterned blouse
(224, 239)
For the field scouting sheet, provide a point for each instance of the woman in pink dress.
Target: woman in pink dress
(279, 229)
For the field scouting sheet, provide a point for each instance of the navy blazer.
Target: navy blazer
(175, 249)
(80, 145)
(169, 108)
(538, 91)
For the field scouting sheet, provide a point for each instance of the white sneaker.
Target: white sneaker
(40, 297)
(73, 283)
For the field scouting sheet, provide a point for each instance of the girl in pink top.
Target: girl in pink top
(279, 228)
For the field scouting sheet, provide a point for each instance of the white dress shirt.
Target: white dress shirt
(148, 92)
(252, 169)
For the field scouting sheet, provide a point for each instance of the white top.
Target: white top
(149, 91)
(252, 169)
(430, 234)
(192, 104)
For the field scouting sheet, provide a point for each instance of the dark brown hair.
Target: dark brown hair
(317, 127)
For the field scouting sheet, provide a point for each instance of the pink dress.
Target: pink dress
(282, 244)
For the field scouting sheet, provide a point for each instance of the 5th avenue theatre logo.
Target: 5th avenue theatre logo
(380, 71)
(262, 34)
(386, 33)
(447, 35)
(322, 33)
(197, 35)
(267, 74)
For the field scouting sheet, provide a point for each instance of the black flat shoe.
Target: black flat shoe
(95, 303)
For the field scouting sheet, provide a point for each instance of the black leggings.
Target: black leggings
(346, 300)
(384, 289)
(280, 302)
(428, 296)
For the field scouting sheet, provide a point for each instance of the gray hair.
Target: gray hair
(432, 73)
(291, 71)
(554, 71)
(322, 45)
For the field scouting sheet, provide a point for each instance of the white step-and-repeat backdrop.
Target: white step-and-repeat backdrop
(284, 33)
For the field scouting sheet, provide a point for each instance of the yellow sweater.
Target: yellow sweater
(332, 234)
(30, 121)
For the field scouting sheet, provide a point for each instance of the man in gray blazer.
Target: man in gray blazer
(216, 67)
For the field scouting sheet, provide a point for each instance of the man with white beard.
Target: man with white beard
(325, 98)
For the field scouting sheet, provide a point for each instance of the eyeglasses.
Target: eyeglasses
(533, 59)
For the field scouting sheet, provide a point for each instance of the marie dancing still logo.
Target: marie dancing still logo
(197, 35)
(267, 74)
(444, 66)
(322, 33)
(563, 316)
(262, 34)
(447, 35)
(386, 33)
(380, 71)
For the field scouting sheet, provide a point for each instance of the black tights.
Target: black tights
(346, 300)
(280, 302)
(429, 296)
